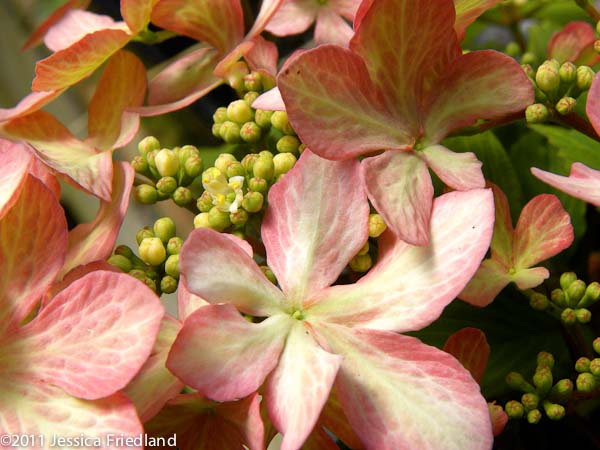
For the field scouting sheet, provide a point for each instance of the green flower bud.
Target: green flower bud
(201, 220)
(536, 113)
(528, 58)
(361, 263)
(124, 251)
(121, 262)
(582, 364)
(235, 169)
(258, 185)
(250, 96)
(279, 120)
(266, 154)
(164, 229)
(230, 132)
(174, 245)
(139, 164)
(585, 76)
(566, 279)
(150, 158)
(253, 202)
(263, 118)
(152, 251)
(568, 72)
(146, 194)
(264, 168)
(575, 292)
(596, 345)
(168, 284)
(288, 144)
(376, 225)
(598, 27)
(595, 367)
(516, 381)
(250, 132)
(221, 163)
(512, 49)
(591, 296)
(597, 45)
(583, 315)
(151, 284)
(142, 234)
(543, 380)
(538, 301)
(148, 144)
(239, 112)
(528, 71)
(301, 148)
(268, 82)
(562, 390)
(269, 274)
(182, 196)
(514, 409)
(253, 82)
(568, 316)
(547, 77)
(216, 130)
(220, 115)
(239, 234)
(204, 203)
(534, 416)
(172, 266)
(193, 166)
(166, 185)
(565, 105)
(364, 249)
(218, 220)
(545, 359)
(530, 401)
(283, 163)
(239, 218)
(554, 411)
(167, 163)
(558, 297)
(138, 274)
(248, 162)
(585, 382)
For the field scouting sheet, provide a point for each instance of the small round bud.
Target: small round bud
(585, 76)
(364, 249)
(230, 132)
(253, 82)
(562, 390)
(545, 359)
(166, 185)
(264, 168)
(565, 105)
(530, 401)
(268, 82)
(543, 380)
(239, 218)
(583, 315)
(266, 154)
(174, 245)
(547, 77)
(250, 96)
(514, 409)
(558, 297)
(248, 162)
(124, 251)
(182, 196)
(538, 301)
(146, 194)
(164, 229)
(221, 163)
(220, 115)
(167, 163)
(288, 144)
(279, 120)
(361, 263)
(512, 49)
(568, 316)
(152, 251)
(596, 345)
(148, 144)
(516, 381)
(585, 382)
(575, 292)
(582, 364)
(239, 112)
(218, 220)
(121, 262)
(142, 234)
(201, 220)
(528, 71)
(235, 169)
(172, 266)
(568, 72)
(139, 164)
(204, 203)
(529, 58)
(269, 274)
(595, 367)
(597, 45)
(263, 118)
(376, 225)
(250, 132)
(591, 296)
(193, 166)
(554, 411)
(566, 279)
(258, 185)
(150, 283)
(168, 284)
(138, 274)
(534, 416)
(253, 201)
(283, 162)
(536, 113)
(150, 158)
(216, 130)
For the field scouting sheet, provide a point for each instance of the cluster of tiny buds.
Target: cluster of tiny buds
(588, 378)
(363, 260)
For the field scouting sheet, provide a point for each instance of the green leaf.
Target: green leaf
(561, 12)
(572, 145)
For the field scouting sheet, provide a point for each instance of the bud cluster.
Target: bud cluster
(364, 259)
(158, 263)
(588, 369)
(169, 172)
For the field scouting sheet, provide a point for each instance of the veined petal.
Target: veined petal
(220, 271)
(334, 419)
(502, 241)
(399, 187)
(293, 17)
(270, 101)
(28, 104)
(483, 84)
(224, 356)
(45, 174)
(460, 171)
(583, 182)
(93, 337)
(299, 386)
(491, 277)
(267, 9)
(137, 13)
(332, 29)
(345, 8)
(187, 302)
(530, 278)
(399, 393)
(262, 56)
(592, 109)
(543, 230)
(15, 161)
(467, 11)
(568, 43)
(471, 348)
(316, 222)
(410, 286)
(334, 106)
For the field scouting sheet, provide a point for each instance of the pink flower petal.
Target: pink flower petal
(95, 240)
(592, 109)
(345, 8)
(399, 187)
(154, 385)
(137, 13)
(583, 182)
(530, 278)
(187, 302)
(400, 393)
(262, 56)
(15, 161)
(479, 85)
(46, 175)
(570, 42)
(467, 11)
(29, 104)
(317, 220)
(461, 171)
(491, 277)
(499, 418)
(32, 251)
(334, 106)
(332, 29)
(471, 348)
(410, 286)
(216, 342)
(299, 386)
(265, 14)
(293, 17)
(220, 271)
(93, 337)
(502, 241)
(270, 101)
(544, 229)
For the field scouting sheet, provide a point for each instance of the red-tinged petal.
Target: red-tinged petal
(15, 161)
(74, 25)
(499, 418)
(334, 419)
(479, 85)
(568, 43)
(45, 413)
(262, 56)
(502, 241)
(345, 8)
(592, 109)
(399, 393)
(299, 386)
(96, 240)
(32, 250)
(317, 220)
(332, 29)
(154, 385)
(187, 302)
(200, 423)
(220, 271)
(121, 86)
(293, 17)
(224, 356)
(218, 22)
(491, 277)
(410, 286)
(29, 104)
(46, 175)
(544, 229)
(583, 182)
(530, 278)
(71, 65)
(471, 348)
(460, 171)
(137, 13)
(265, 14)
(58, 148)
(334, 106)
(399, 187)
(270, 101)
(407, 45)
(93, 337)
(467, 11)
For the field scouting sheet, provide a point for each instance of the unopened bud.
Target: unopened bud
(142, 234)
(220, 115)
(545, 359)
(279, 120)
(528, 58)
(264, 168)
(182, 196)
(221, 163)
(253, 81)
(239, 112)
(263, 118)
(124, 251)
(193, 166)
(562, 390)
(253, 201)
(235, 169)
(530, 401)
(543, 380)
(218, 220)
(248, 162)
(283, 163)
(164, 229)
(138, 274)
(558, 297)
(146, 194)
(174, 245)
(597, 45)
(585, 76)
(269, 274)
(204, 203)
(538, 301)
(514, 409)
(595, 367)
(376, 225)
(582, 364)
(364, 249)
(596, 345)
(566, 279)
(575, 292)
(121, 262)
(250, 132)
(201, 220)
(139, 164)
(238, 218)
(591, 296)
(168, 284)
(152, 251)
(512, 49)
(172, 266)
(554, 411)
(516, 381)
(583, 315)
(565, 105)
(361, 263)
(528, 71)
(250, 96)
(568, 72)
(537, 113)
(230, 132)
(288, 144)
(568, 316)
(150, 283)
(258, 185)
(148, 144)
(586, 382)
(216, 130)
(534, 416)
(547, 77)
(167, 162)
(166, 185)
